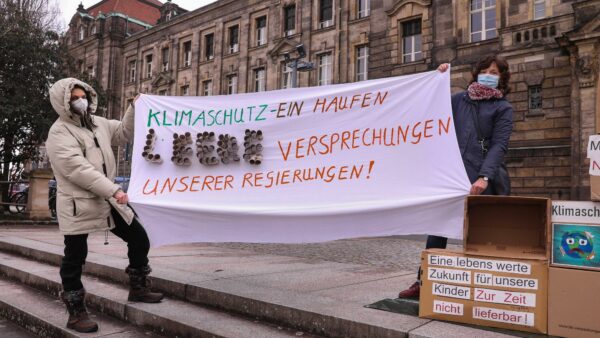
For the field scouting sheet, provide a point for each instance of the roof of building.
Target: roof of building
(147, 11)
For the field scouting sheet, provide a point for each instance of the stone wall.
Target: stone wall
(558, 53)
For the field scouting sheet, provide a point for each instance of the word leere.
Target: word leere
(226, 150)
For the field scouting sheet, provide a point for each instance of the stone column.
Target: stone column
(37, 201)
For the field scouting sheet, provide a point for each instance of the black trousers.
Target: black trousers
(434, 242)
(76, 250)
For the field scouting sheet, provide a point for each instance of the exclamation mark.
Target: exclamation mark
(371, 164)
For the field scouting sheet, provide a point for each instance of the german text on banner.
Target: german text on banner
(371, 158)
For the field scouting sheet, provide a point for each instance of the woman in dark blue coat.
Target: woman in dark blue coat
(483, 119)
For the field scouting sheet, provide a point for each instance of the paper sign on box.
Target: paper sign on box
(505, 293)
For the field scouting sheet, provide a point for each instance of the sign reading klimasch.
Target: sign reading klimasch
(371, 158)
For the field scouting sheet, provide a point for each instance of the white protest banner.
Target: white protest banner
(593, 153)
(371, 158)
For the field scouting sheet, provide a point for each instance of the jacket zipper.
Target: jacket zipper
(74, 208)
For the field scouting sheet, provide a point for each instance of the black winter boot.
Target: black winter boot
(78, 316)
(139, 286)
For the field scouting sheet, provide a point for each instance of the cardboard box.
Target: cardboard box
(576, 246)
(504, 293)
(504, 226)
(574, 303)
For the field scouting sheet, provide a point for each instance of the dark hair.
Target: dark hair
(503, 67)
(87, 119)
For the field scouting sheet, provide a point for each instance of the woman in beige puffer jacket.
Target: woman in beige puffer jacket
(80, 150)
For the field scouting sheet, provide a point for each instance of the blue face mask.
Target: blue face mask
(488, 80)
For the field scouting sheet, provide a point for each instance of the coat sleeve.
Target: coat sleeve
(122, 131)
(67, 159)
(502, 129)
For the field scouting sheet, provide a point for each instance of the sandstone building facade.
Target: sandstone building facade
(235, 46)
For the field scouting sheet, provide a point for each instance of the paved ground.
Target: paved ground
(10, 330)
(394, 252)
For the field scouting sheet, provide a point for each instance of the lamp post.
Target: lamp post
(297, 64)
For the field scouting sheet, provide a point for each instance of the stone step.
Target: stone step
(316, 314)
(171, 317)
(321, 316)
(45, 316)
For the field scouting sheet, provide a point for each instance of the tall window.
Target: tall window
(289, 22)
(539, 9)
(261, 31)
(207, 88)
(325, 13)
(148, 65)
(233, 34)
(286, 76)
(131, 70)
(259, 80)
(93, 29)
(535, 97)
(81, 33)
(363, 8)
(209, 46)
(165, 59)
(362, 63)
(187, 54)
(411, 41)
(325, 69)
(483, 20)
(232, 84)
(185, 90)
(91, 71)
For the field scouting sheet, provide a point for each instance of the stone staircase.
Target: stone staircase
(197, 304)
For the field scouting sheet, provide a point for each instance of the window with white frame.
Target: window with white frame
(165, 59)
(483, 20)
(162, 92)
(148, 66)
(363, 8)
(325, 13)
(411, 41)
(187, 54)
(81, 33)
(185, 90)
(261, 31)
(209, 43)
(539, 9)
(207, 88)
(131, 70)
(362, 63)
(233, 36)
(259, 80)
(325, 69)
(232, 84)
(286, 76)
(93, 29)
(289, 20)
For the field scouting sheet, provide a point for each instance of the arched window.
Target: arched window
(81, 32)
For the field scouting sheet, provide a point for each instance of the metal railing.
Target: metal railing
(18, 192)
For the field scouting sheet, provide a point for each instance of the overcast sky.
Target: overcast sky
(68, 7)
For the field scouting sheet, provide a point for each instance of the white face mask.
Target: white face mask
(80, 105)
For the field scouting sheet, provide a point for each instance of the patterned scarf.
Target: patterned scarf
(478, 92)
